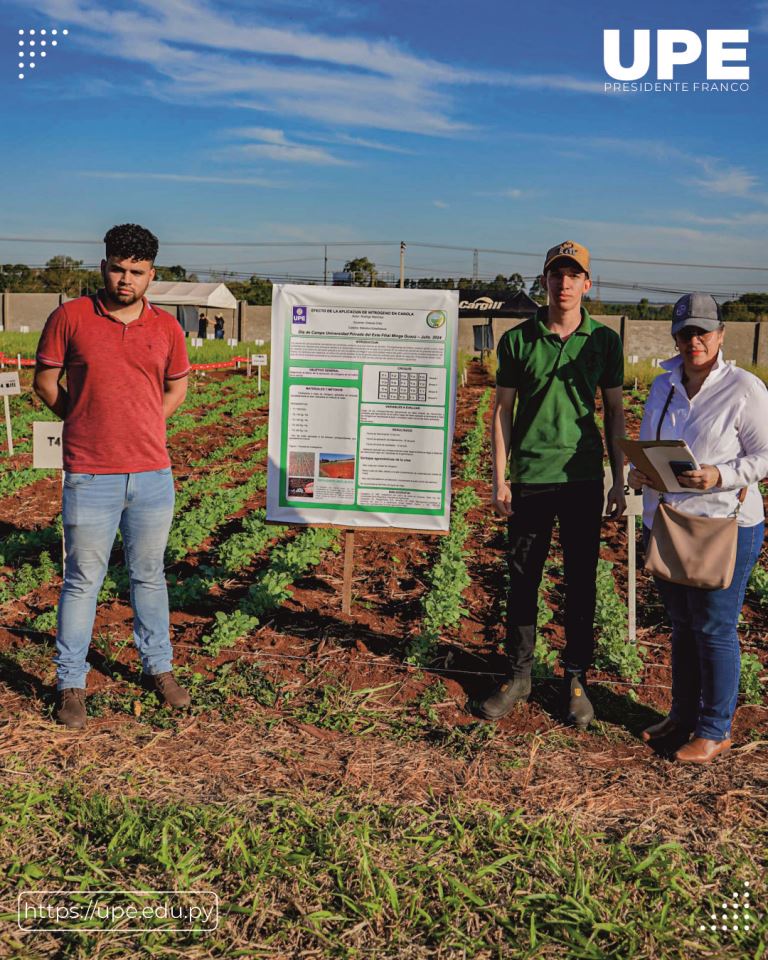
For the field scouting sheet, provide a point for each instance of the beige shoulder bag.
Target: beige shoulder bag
(693, 551)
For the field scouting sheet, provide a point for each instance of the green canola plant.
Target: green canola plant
(442, 604)
(286, 563)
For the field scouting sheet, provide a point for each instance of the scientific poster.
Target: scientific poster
(361, 407)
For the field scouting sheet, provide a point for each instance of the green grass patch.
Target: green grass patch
(336, 877)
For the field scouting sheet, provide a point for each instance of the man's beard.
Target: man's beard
(127, 298)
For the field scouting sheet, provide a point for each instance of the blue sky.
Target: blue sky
(471, 125)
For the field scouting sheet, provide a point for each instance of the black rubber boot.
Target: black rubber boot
(506, 695)
(577, 707)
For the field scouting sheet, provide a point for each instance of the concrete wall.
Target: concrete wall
(746, 343)
(33, 309)
(739, 343)
(255, 322)
(28, 309)
(762, 344)
(614, 321)
(647, 339)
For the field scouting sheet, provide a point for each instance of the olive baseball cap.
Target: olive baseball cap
(696, 310)
(568, 250)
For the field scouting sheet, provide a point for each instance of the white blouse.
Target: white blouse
(725, 425)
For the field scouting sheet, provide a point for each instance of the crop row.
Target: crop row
(190, 528)
(286, 564)
(233, 406)
(232, 556)
(442, 604)
(475, 445)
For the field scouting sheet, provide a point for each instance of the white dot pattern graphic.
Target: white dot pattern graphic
(31, 54)
(741, 914)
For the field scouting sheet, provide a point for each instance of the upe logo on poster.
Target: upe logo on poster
(677, 49)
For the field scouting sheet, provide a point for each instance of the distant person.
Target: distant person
(551, 367)
(202, 326)
(721, 412)
(218, 327)
(126, 366)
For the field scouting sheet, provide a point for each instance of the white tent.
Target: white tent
(190, 298)
(214, 295)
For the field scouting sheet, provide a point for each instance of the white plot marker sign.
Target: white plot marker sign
(47, 454)
(46, 445)
(258, 360)
(9, 387)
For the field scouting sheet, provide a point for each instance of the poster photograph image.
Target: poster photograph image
(362, 404)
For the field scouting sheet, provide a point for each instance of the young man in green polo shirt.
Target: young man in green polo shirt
(553, 365)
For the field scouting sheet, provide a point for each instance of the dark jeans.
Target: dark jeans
(578, 506)
(706, 662)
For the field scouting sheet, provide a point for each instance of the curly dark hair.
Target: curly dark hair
(129, 240)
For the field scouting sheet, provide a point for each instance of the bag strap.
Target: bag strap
(742, 492)
(664, 411)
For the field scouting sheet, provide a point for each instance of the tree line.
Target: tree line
(68, 276)
(62, 274)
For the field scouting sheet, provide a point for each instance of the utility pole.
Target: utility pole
(325, 266)
(402, 264)
(475, 267)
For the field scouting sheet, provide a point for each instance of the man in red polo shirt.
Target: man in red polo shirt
(126, 371)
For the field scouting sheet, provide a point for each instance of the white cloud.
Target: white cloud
(274, 145)
(508, 193)
(550, 81)
(178, 178)
(440, 204)
(719, 176)
(725, 180)
(737, 221)
(203, 54)
(372, 144)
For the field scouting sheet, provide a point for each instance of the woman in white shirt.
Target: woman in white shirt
(721, 412)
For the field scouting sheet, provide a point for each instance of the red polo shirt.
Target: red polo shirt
(116, 374)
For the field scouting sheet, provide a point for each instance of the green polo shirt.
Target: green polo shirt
(554, 436)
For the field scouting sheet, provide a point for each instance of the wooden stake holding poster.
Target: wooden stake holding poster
(634, 509)
(349, 566)
(9, 387)
(361, 409)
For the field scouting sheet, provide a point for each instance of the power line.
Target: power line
(395, 243)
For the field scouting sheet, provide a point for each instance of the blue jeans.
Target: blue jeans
(94, 506)
(706, 662)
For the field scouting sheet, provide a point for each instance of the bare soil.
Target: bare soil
(527, 761)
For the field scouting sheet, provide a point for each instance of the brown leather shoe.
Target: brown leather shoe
(701, 750)
(173, 694)
(663, 728)
(70, 710)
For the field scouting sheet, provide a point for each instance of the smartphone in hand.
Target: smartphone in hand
(681, 466)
